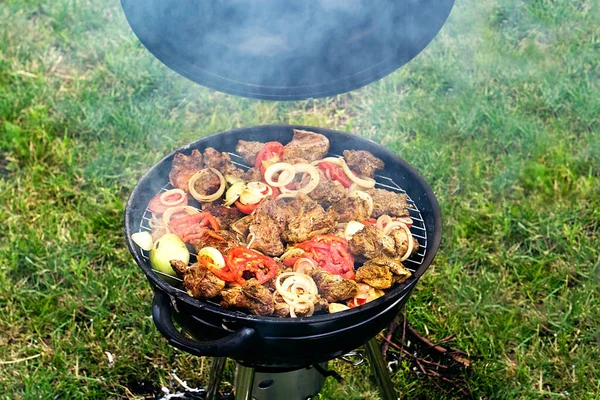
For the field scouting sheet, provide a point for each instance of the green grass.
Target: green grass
(501, 114)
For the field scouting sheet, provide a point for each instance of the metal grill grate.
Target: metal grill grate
(382, 182)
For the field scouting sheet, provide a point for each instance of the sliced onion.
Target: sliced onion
(288, 195)
(292, 252)
(204, 198)
(259, 188)
(234, 192)
(232, 180)
(312, 184)
(181, 199)
(337, 307)
(351, 228)
(143, 239)
(250, 197)
(171, 211)
(286, 174)
(214, 255)
(304, 264)
(411, 243)
(383, 221)
(250, 239)
(289, 291)
(365, 182)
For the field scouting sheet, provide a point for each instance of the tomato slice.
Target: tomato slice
(246, 208)
(269, 154)
(223, 273)
(336, 172)
(240, 259)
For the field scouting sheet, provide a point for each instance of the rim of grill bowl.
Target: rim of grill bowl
(397, 292)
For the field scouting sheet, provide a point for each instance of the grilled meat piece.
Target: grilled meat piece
(274, 210)
(242, 225)
(252, 296)
(198, 281)
(328, 192)
(401, 240)
(252, 175)
(370, 242)
(183, 168)
(363, 162)
(310, 220)
(220, 161)
(390, 203)
(248, 150)
(333, 287)
(231, 239)
(399, 272)
(307, 145)
(351, 209)
(379, 277)
(267, 235)
(225, 216)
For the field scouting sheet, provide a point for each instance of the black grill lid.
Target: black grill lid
(285, 49)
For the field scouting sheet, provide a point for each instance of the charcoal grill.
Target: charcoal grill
(271, 344)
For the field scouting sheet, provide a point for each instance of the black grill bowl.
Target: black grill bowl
(271, 342)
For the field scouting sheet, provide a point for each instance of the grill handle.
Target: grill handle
(235, 345)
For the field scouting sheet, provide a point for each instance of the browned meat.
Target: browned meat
(362, 162)
(333, 287)
(248, 150)
(401, 240)
(328, 192)
(351, 209)
(379, 277)
(399, 272)
(370, 242)
(307, 145)
(267, 235)
(253, 297)
(242, 225)
(273, 210)
(207, 184)
(221, 162)
(309, 220)
(183, 167)
(231, 239)
(252, 175)
(225, 216)
(198, 281)
(390, 203)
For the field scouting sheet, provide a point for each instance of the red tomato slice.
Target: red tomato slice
(336, 172)
(269, 154)
(246, 208)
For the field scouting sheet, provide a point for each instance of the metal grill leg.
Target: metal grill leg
(380, 371)
(245, 380)
(214, 380)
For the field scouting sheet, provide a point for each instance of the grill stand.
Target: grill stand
(312, 380)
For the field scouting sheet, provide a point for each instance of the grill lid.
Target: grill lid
(285, 50)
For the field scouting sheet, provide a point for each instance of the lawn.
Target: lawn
(500, 113)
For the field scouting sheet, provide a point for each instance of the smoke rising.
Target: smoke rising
(285, 50)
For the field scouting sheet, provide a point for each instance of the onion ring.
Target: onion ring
(312, 184)
(171, 192)
(286, 174)
(205, 198)
(169, 212)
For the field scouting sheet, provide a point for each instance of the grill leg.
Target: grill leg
(245, 380)
(216, 372)
(380, 371)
